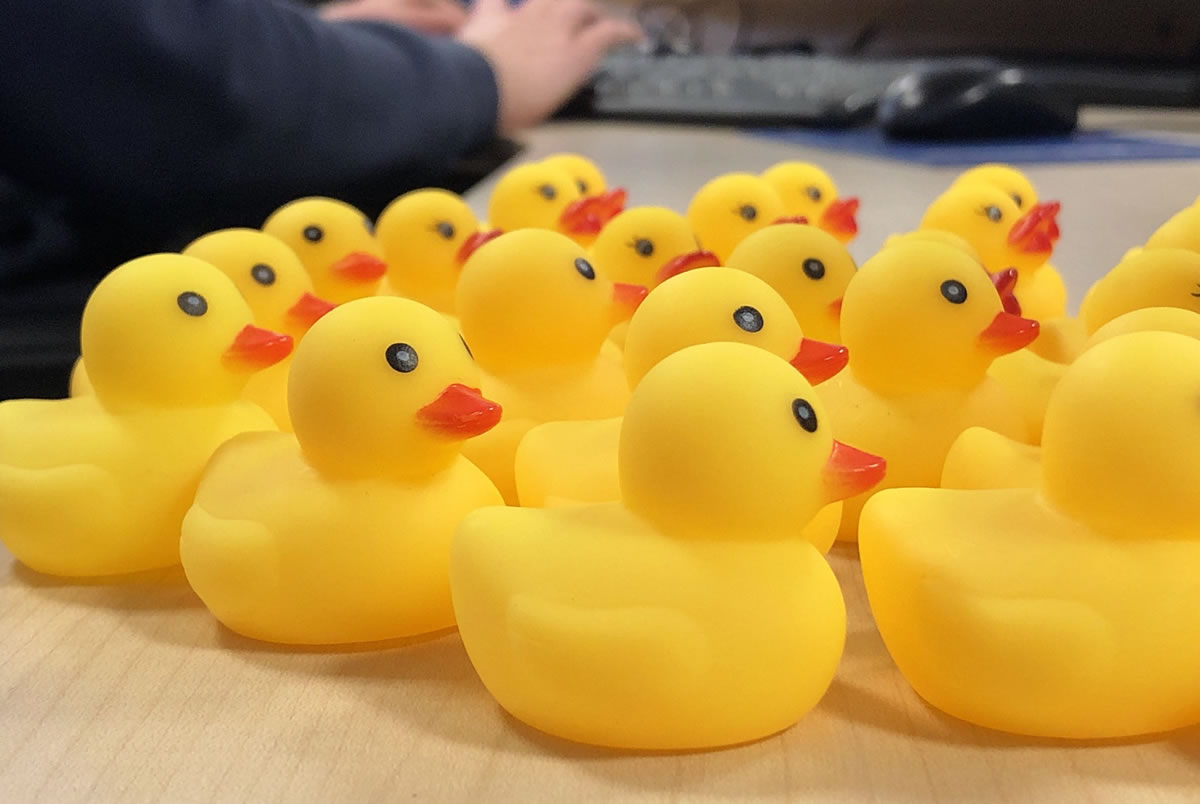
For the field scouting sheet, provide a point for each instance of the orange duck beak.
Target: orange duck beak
(1006, 283)
(460, 412)
(359, 266)
(309, 309)
(850, 471)
(686, 262)
(255, 349)
(839, 217)
(1008, 333)
(626, 299)
(587, 216)
(791, 219)
(1036, 231)
(819, 361)
(472, 243)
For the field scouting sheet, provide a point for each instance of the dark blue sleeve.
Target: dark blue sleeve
(139, 103)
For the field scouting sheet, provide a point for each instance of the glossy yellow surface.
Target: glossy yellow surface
(336, 243)
(273, 282)
(98, 485)
(918, 363)
(1060, 611)
(538, 326)
(576, 461)
(424, 234)
(807, 190)
(730, 207)
(808, 267)
(1159, 277)
(341, 533)
(570, 615)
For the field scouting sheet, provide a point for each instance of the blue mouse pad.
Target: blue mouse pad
(1080, 146)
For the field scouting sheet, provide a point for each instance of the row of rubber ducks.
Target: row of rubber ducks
(647, 409)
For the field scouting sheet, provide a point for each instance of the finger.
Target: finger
(433, 21)
(490, 7)
(606, 34)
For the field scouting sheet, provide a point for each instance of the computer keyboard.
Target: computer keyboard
(744, 89)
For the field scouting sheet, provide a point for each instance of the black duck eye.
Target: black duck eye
(470, 354)
(263, 274)
(748, 319)
(583, 187)
(804, 413)
(954, 291)
(548, 192)
(993, 213)
(813, 193)
(401, 357)
(585, 268)
(1017, 197)
(643, 247)
(814, 268)
(192, 303)
(370, 225)
(313, 234)
(748, 212)
(446, 229)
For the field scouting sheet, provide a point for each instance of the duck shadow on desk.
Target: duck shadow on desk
(147, 592)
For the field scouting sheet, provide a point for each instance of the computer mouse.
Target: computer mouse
(964, 101)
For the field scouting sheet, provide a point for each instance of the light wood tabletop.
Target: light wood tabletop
(132, 691)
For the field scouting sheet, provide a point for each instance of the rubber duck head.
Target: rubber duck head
(729, 208)
(1004, 235)
(1005, 280)
(808, 191)
(1013, 182)
(1182, 230)
(1121, 441)
(727, 438)
(426, 236)
(589, 179)
(922, 315)
(807, 266)
(645, 245)
(533, 298)
(544, 196)
(269, 276)
(385, 386)
(711, 305)
(336, 243)
(169, 330)
(1160, 277)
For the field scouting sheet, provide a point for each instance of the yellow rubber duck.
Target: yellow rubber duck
(576, 461)
(689, 607)
(426, 236)
(809, 192)
(98, 485)
(729, 208)
(922, 323)
(1159, 277)
(647, 245)
(590, 180)
(544, 196)
(1005, 237)
(537, 314)
(1061, 611)
(274, 283)
(336, 243)
(341, 533)
(1182, 230)
(981, 459)
(805, 265)
(1008, 178)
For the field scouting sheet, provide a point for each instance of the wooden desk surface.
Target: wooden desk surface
(134, 692)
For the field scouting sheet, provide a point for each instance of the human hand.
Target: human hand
(541, 51)
(431, 16)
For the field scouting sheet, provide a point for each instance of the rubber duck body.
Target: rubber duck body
(922, 323)
(168, 345)
(1058, 611)
(571, 614)
(341, 533)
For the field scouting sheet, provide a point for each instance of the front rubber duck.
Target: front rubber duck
(427, 235)
(545, 196)
(809, 192)
(808, 267)
(1060, 611)
(336, 243)
(922, 322)
(97, 485)
(1005, 236)
(687, 615)
(274, 283)
(537, 314)
(341, 533)
(731, 207)
(576, 461)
